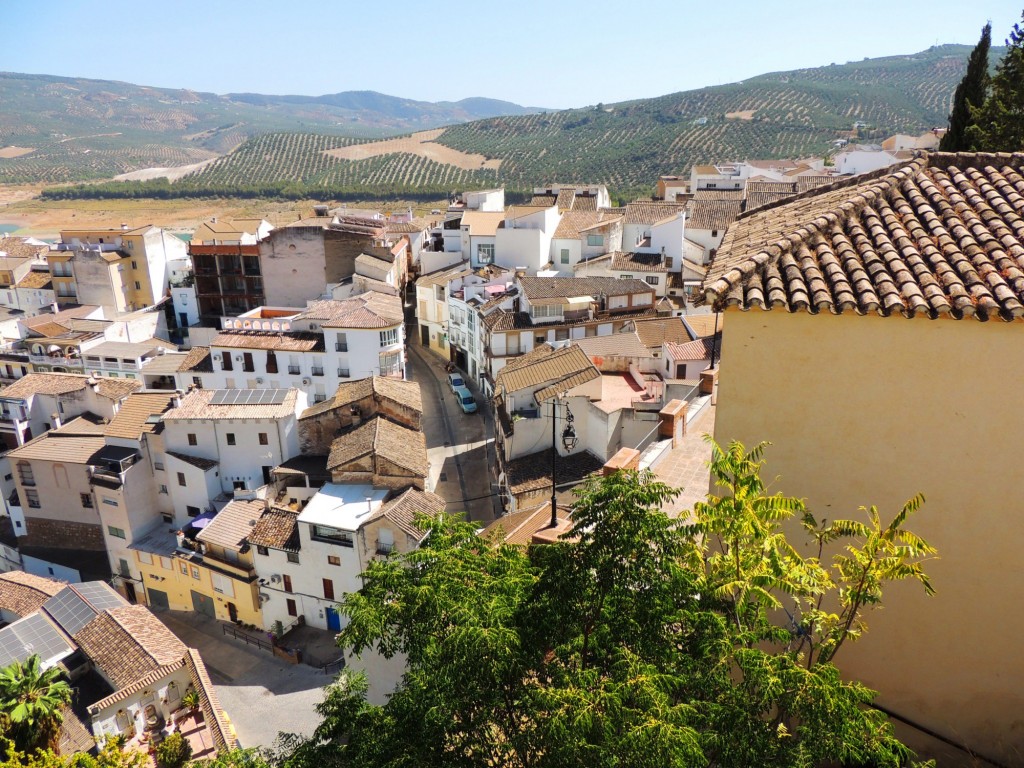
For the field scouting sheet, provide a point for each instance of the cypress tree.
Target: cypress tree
(969, 93)
(999, 122)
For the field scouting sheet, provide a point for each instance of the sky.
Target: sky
(544, 53)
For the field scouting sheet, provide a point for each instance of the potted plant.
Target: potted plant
(190, 700)
(173, 752)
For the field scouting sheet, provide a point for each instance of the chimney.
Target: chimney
(213, 220)
(320, 209)
(124, 226)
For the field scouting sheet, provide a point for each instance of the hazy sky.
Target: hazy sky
(551, 53)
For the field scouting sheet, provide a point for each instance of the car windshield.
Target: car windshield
(456, 382)
(467, 399)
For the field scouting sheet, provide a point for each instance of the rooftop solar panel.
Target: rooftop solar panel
(249, 397)
(69, 610)
(33, 634)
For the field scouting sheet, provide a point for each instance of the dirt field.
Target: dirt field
(12, 151)
(422, 144)
(746, 114)
(171, 174)
(19, 206)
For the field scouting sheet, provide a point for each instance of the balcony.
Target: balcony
(294, 370)
(341, 346)
(385, 548)
(317, 371)
(344, 373)
(55, 360)
(106, 478)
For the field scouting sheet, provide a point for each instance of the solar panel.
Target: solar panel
(32, 635)
(249, 397)
(100, 595)
(69, 610)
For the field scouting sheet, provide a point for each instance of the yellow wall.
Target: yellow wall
(870, 410)
(179, 587)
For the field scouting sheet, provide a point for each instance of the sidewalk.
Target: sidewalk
(686, 465)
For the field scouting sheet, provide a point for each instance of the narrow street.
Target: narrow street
(460, 446)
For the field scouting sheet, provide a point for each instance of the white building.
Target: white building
(523, 241)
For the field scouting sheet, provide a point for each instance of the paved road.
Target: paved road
(261, 694)
(460, 447)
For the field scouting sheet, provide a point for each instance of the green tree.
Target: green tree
(112, 755)
(173, 752)
(969, 95)
(32, 699)
(998, 124)
(636, 641)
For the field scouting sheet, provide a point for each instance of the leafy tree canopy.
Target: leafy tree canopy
(970, 94)
(998, 124)
(638, 641)
(31, 700)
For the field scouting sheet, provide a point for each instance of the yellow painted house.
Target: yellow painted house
(211, 573)
(875, 336)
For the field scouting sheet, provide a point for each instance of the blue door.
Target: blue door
(333, 620)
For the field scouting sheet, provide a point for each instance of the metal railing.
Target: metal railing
(247, 638)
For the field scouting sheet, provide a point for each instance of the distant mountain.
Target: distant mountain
(78, 128)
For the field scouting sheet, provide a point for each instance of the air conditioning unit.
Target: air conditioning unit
(264, 597)
(275, 579)
(259, 379)
(306, 382)
(238, 358)
(314, 326)
(216, 356)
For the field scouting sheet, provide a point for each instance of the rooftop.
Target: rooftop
(379, 436)
(940, 236)
(343, 506)
(232, 525)
(23, 593)
(405, 393)
(654, 332)
(368, 310)
(196, 361)
(235, 404)
(545, 365)
(137, 413)
(533, 472)
(132, 350)
(565, 287)
(276, 528)
(128, 643)
(715, 215)
(293, 341)
(626, 344)
(403, 510)
(521, 528)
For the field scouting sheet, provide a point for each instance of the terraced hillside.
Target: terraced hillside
(626, 145)
(56, 129)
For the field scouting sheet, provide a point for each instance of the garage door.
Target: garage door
(203, 604)
(157, 599)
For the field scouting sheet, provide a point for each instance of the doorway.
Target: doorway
(333, 620)
(157, 600)
(203, 604)
(232, 612)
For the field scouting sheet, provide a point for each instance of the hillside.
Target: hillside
(55, 129)
(627, 145)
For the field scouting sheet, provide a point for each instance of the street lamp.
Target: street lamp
(569, 441)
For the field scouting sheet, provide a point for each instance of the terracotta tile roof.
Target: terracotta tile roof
(565, 287)
(74, 734)
(276, 528)
(557, 366)
(706, 195)
(22, 593)
(712, 214)
(765, 192)
(117, 389)
(701, 326)
(72, 449)
(86, 424)
(36, 280)
(165, 364)
(444, 276)
(133, 418)
(128, 643)
(574, 222)
(295, 341)
(614, 345)
(807, 183)
(638, 262)
(698, 349)
(656, 331)
(407, 227)
(213, 713)
(651, 211)
(403, 510)
(196, 461)
(583, 202)
(130, 349)
(566, 197)
(198, 404)
(940, 236)
(566, 384)
(45, 384)
(519, 211)
(368, 310)
(533, 472)
(141, 684)
(519, 528)
(197, 361)
(380, 437)
(232, 525)
(17, 248)
(406, 393)
(483, 223)
(506, 320)
(543, 201)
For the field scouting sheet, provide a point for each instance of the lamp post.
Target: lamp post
(569, 440)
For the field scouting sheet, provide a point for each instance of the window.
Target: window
(32, 497)
(341, 344)
(192, 511)
(181, 479)
(328, 589)
(439, 293)
(271, 361)
(389, 337)
(292, 610)
(262, 550)
(231, 438)
(651, 279)
(485, 253)
(25, 473)
(138, 286)
(389, 364)
(668, 263)
(198, 381)
(116, 532)
(110, 502)
(595, 239)
(134, 265)
(333, 560)
(192, 439)
(167, 518)
(225, 361)
(293, 557)
(158, 465)
(163, 489)
(625, 277)
(546, 310)
(333, 535)
(287, 583)
(145, 558)
(561, 334)
(195, 573)
(86, 500)
(222, 584)
(184, 569)
(247, 362)
(263, 439)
